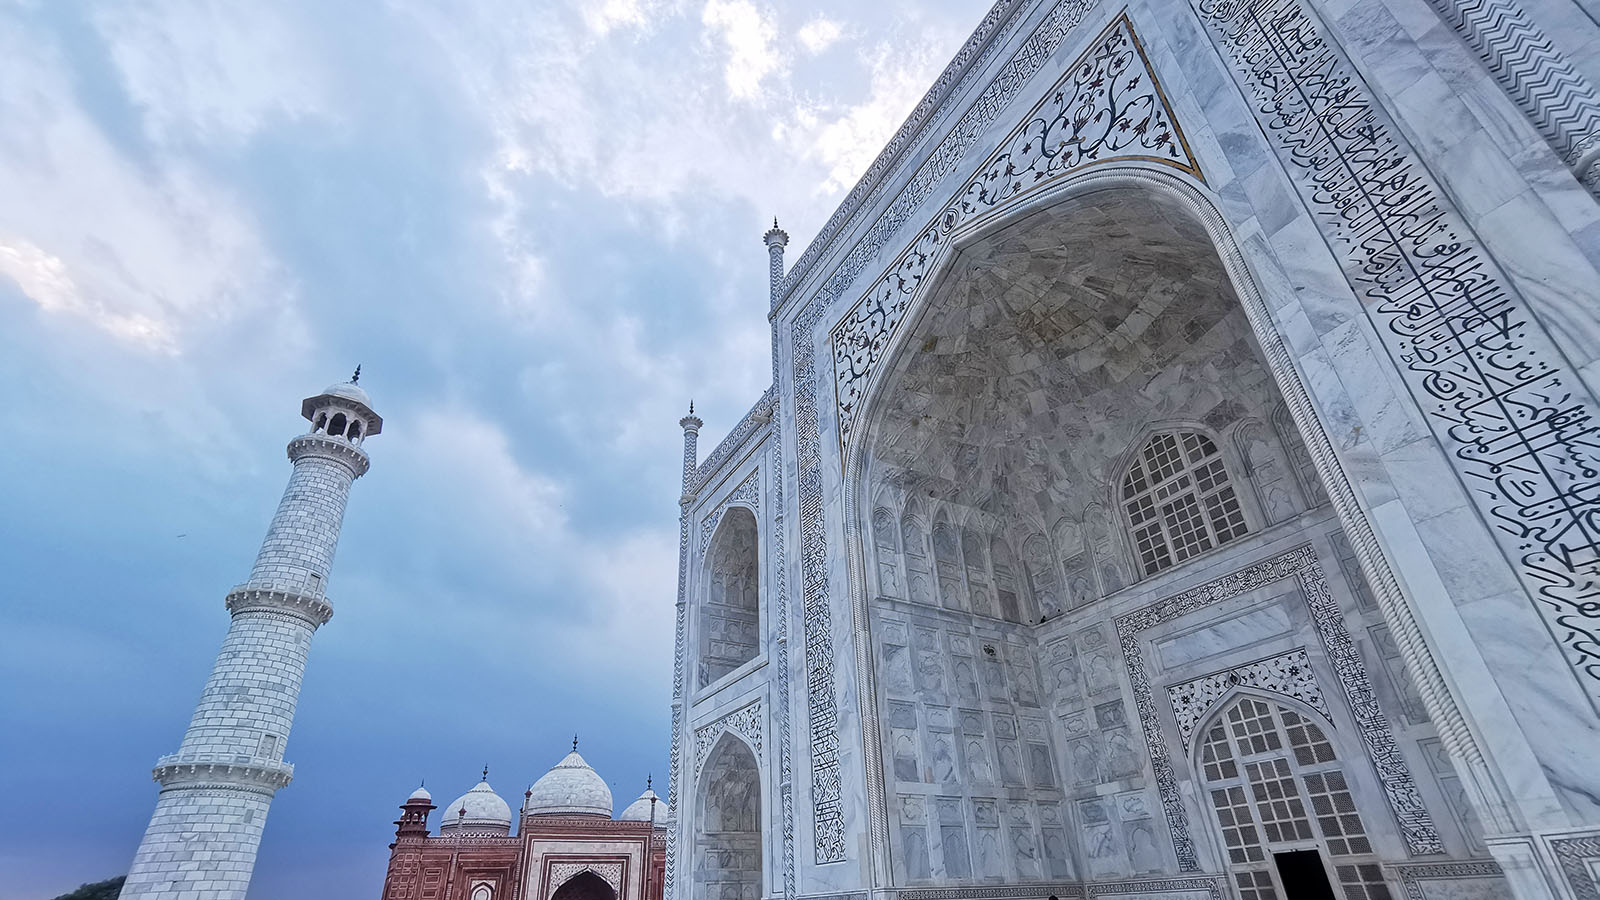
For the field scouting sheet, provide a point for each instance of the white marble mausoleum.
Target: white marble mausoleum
(1180, 478)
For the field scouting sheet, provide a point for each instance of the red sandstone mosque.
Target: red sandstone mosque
(566, 847)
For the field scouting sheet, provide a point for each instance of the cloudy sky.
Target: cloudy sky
(536, 223)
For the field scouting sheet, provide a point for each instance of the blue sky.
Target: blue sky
(536, 224)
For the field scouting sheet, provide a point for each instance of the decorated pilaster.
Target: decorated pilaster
(776, 239)
(691, 426)
(215, 791)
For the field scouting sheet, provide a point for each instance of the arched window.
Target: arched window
(1274, 782)
(336, 425)
(1179, 501)
(730, 616)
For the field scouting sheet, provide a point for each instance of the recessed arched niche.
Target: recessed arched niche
(728, 836)
(1077, 418)
(730, 607)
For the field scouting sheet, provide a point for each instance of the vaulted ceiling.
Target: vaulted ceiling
(1050, 346)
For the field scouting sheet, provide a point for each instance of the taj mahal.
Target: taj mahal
(1180, 479)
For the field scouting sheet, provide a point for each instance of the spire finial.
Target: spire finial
(485, 771)
(574, 743)
(647, 781)
(691, 406)
(356, 378)
(774, 221)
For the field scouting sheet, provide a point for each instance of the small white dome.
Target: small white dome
(485, 811)
(570, 788)
(421, 793)
(642, 809)
(349, 392)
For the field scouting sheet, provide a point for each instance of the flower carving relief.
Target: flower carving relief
(746, 722)
(1108, 106)
(1288, 674)
(748, 491)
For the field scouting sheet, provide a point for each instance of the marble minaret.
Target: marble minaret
(215, 791)
(776, 239)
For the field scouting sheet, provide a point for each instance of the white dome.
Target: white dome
(571, 788)
(485, 811)
(421, 793)
(642, 809)
(349, 392)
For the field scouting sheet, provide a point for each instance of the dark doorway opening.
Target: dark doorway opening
(585, 885)
(1302, 875)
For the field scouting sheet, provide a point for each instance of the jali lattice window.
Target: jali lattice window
(1178, 500)
(1275, 783)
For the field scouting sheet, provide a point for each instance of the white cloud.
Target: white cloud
(749, 39)
(608, 15)
(819, 34)
(149, 251)
(211, 70)
(845, 141)
(493, 515)
(43, 279)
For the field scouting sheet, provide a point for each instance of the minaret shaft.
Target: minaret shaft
(215, 791)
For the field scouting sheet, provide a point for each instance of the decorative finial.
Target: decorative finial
(356, 378)
(485, 771)
(691, 406)
(647, 780)
(774, 221)
(574, 743)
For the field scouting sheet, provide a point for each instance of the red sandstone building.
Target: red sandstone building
(566, 847)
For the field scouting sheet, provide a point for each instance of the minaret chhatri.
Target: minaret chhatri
(202, 840)
(776, 239)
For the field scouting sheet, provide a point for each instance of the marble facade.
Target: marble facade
(1181, 451)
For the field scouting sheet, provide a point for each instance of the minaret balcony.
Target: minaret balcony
(251, 598)
(201, 770)
(329, 447)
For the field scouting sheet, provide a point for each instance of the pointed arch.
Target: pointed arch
(586, 884)
(1273, 779)
(1300, 461)
(861, 452)
(730, 607)
(914, 550)
(728, 822)
(1258, 451)
(886, 549)
(974, 557)
(1008, 576)
(947, 562)
(1039, 559)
